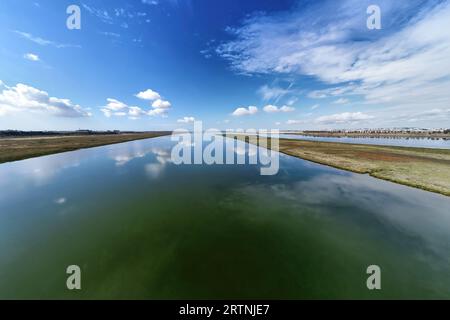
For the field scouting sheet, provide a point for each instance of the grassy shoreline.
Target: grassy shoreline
(424, 168)
(21, 148)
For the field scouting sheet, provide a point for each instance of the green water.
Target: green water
(141, 227)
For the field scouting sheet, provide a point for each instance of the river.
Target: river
(142, 227)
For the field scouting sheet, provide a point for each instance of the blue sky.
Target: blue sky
(153, 65)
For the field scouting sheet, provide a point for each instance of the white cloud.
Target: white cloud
(161, 104)
(45, 42)
(31, 57)
(186, 120)
(157, 112)
(120, 109)
(291, 122)
(268, 93)
(315, 106)
(245, 111)
(435, 114)
(26, 98)
(150, 2)
(115, 105)
(343, 118)
(341, 101)
(272, 109)
(60, 201)
(291, 101)
(407, 66)
(135, 112)
(110, 34)
(148, 94)
(333, 92)
(102, 14)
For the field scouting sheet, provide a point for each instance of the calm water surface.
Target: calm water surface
(142, 227)
(401, 142)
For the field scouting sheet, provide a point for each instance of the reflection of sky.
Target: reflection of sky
(162, 156)
(300, 182)
(39, 171)
(367, 201)
(90, 193)
(402, 142)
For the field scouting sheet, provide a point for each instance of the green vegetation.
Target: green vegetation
(13, 149)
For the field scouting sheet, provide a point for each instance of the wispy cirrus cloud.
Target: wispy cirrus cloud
(269, 93)
(341, 101)
(344, 118)
(406, 65)
(45, 42)
(102, 14)
(150, 2)
(121, 16)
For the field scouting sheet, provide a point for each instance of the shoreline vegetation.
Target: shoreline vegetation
(21, 145)
(424, 168)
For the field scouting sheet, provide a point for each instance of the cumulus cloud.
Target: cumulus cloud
(186, 120)
(148, 94)
(22, 97)
(343, 118)
(158, 112)
(161, 104)
(272, 109)
(31, 57)
(242, 111)
(406, 65)
(117, 108)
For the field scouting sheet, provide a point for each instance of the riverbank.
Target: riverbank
(20, 148)
(391, 135)
(423, 168)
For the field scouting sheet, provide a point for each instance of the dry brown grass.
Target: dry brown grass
(423, 168)
(12, 149)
